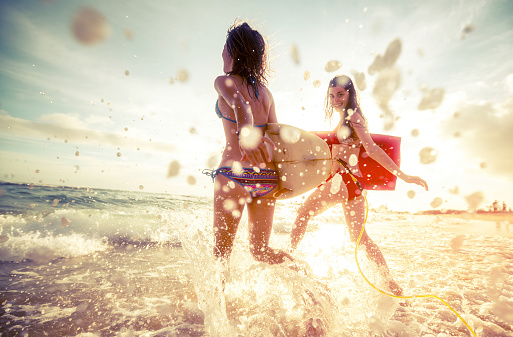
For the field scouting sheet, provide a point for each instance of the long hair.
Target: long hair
(353, 101)
(248, 49)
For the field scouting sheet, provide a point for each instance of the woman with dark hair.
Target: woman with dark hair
(340, 188)
(246, 175)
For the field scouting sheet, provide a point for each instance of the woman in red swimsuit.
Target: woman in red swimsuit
(352, 134)
(246, 175)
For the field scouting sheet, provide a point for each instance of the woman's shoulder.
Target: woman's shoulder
(223, 81)
(263, 91)
(225, 85)
(228, 81)
(356, 119)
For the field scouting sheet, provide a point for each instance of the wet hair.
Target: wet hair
(247, 47)
(352, 103)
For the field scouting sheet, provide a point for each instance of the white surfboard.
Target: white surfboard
(303, 160)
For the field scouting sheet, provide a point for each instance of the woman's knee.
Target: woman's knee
(355, 232)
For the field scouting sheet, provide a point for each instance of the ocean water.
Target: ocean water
(91, 262)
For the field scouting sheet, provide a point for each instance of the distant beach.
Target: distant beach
(468, 215)
(478, 222)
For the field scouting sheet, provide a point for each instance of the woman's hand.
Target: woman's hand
(253, 146)
(414, 180)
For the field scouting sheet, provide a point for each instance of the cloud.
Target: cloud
(65, 121)
(485, 131)
(509, 82)
(71, 129)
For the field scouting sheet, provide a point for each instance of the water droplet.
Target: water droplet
(65, 222)
(428, 155)
(335, 184)
(289, 135)
(89, 26)
(388, 59)
(182, 76)
(469, 28)
(332, 66)
(128, 34)
(473, 200)
(457, 242)
(437, 202)
(353, 160)
(343, 132)
(249, 137)
(359, 79)
(229, 205)
(294, 54)
(237, 167)
(432, 99)
(454, 190)
(174, 169)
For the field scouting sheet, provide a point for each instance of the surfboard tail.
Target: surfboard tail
(375, 176)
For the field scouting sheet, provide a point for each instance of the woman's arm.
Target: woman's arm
(272, 112)
(377, 153)
(251, 143)
(226, 88)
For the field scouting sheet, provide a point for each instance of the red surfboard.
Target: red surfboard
(376, 177)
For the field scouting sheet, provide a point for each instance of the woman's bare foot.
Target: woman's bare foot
(314, 328)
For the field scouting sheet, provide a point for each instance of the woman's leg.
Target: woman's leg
(227, 214)
(354, 211)
(324, 197)
(260, 223)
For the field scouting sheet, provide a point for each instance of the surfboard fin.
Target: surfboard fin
(281, 192)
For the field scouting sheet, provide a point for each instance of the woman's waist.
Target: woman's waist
(340, 165)
(231, 159)
(345, 153)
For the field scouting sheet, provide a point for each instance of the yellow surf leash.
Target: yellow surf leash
(384, 292)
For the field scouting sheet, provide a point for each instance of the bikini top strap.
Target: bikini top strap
(252, 80)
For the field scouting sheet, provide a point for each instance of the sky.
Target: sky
(119, 94)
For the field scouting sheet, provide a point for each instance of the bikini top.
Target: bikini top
(351, 139)
(220, 115)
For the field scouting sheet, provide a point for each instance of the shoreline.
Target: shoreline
(483, 216)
